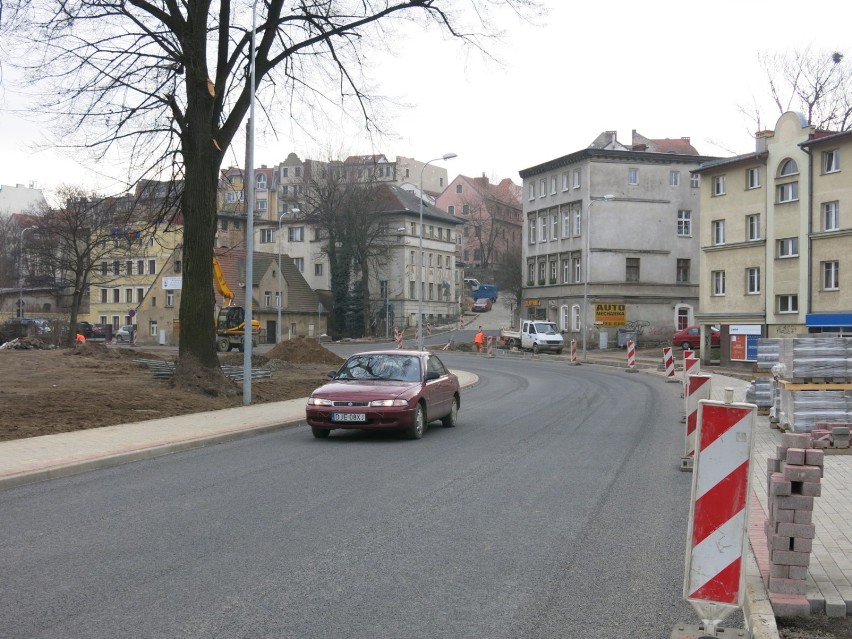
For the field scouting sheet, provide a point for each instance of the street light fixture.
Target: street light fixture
(280, 287)
(21, 271)
(587, 250)
(446, 156)
(248, 326)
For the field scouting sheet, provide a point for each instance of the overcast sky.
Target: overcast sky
(666, 69)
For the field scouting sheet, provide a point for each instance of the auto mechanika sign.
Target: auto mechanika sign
(610, 315)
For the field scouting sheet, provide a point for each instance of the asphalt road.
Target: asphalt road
(555, 509)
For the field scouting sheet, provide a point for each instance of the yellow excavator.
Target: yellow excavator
(231, 322)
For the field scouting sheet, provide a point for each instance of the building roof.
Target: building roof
(394, 199)
(618, 155)
(746, 158)
(20, 199)
(828, 137)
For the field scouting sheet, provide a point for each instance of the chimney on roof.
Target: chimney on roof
(685, 139)
(760, 139)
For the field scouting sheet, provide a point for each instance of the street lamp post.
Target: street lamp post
(446, 156)
(587, 250)
(280, 283)
(21, 271)
(248, 326)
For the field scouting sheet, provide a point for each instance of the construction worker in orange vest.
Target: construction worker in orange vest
(479, 340)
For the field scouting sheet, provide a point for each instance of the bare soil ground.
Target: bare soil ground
(53, 390)
(815, 627)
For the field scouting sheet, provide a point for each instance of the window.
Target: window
(152, 267)
(787, 303)
(717, 279)
(788, 247)
(104, 268)
(465, 209)
(318, 269)
(576, 178)
(830, 276)
(266, 236)
(684, 223)
(140, 267)
(116, 267)
(542, 187)
(566, 223)
(718, 228)
(542, 229)
(103, 296)
(553, 185)
(128, 295)
(632, 269)
(788, 192)
(719, 185)
(451, 209)
(578, 222)
(411, 288)
(128, 267)
(682, 275)
(261, 205)
(431, 290)
(116, 296)
(542, 270)
(152, 328)
(298, 171)
(553, 271)
(296, 234)
(531, 189)
(260, 181)
(752, 281)
(576, 268)
(831, 161)
(554, 223)
(285, 190)
(788, 167)
(633, 176)
(285, 171)
(694, 181)
(432, 230)
(830, 216)
(575, 317)
(459, 188)
(566, 271)
(753, 178)
(299, 262)
(566, 182)
(140, 295)
(753, 227)
(674, 178)
(178, 266)
(530, 274)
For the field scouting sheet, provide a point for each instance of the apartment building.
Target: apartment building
(492, 215)
(773, 238)
(610, 237)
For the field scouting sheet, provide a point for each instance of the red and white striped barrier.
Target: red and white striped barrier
(397, 337)
(714, 576)
(489, 341)
(573, 351)
(668, 362)
(688, 353)
(691, 366)
(631, 356)
(428, 329)
(697, 388)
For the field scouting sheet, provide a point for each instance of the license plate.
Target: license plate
(348, 417)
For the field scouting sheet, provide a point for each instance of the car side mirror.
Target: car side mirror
(332, 374)
(432, 375)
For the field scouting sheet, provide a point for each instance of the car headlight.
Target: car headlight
(318, 401)
(388, 402)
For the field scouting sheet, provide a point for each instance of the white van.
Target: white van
(472, 283)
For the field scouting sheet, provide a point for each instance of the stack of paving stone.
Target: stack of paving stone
(762, 389)
(794, 480)
(831, 435)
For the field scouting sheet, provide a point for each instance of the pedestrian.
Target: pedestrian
(479, 340)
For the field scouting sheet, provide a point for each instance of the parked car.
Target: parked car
(472, 283)
(125, 333)
(386, 390)
(28, 326)
(482, 305)
(690, 337)
(91, 331)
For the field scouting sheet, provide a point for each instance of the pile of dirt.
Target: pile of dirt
(303, 350)
(26, 343)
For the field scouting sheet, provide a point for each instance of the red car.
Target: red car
(482, 305)
(690, 337)
(386, 390)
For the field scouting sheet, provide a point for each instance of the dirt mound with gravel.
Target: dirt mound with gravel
(303, 350)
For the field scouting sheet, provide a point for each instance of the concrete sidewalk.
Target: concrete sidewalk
(39, 458)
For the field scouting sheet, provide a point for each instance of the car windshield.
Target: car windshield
(545, 327)
(399, 368)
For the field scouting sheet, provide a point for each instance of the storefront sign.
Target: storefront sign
(172, 283)
(532, 302)
(610, 315)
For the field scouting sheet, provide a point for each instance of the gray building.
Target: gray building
(611, 238)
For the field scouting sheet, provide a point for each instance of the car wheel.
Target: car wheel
(416, 430)
(559, 351)
(535, 349)
(320, 433)
(119, 338)
(450, 420)
(223, 345)
(685, 346)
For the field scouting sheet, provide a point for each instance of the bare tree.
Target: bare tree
(9, 247)
(817, 84)
(170, 82)
(85, 241)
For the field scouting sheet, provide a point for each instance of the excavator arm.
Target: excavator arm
(221, 285)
